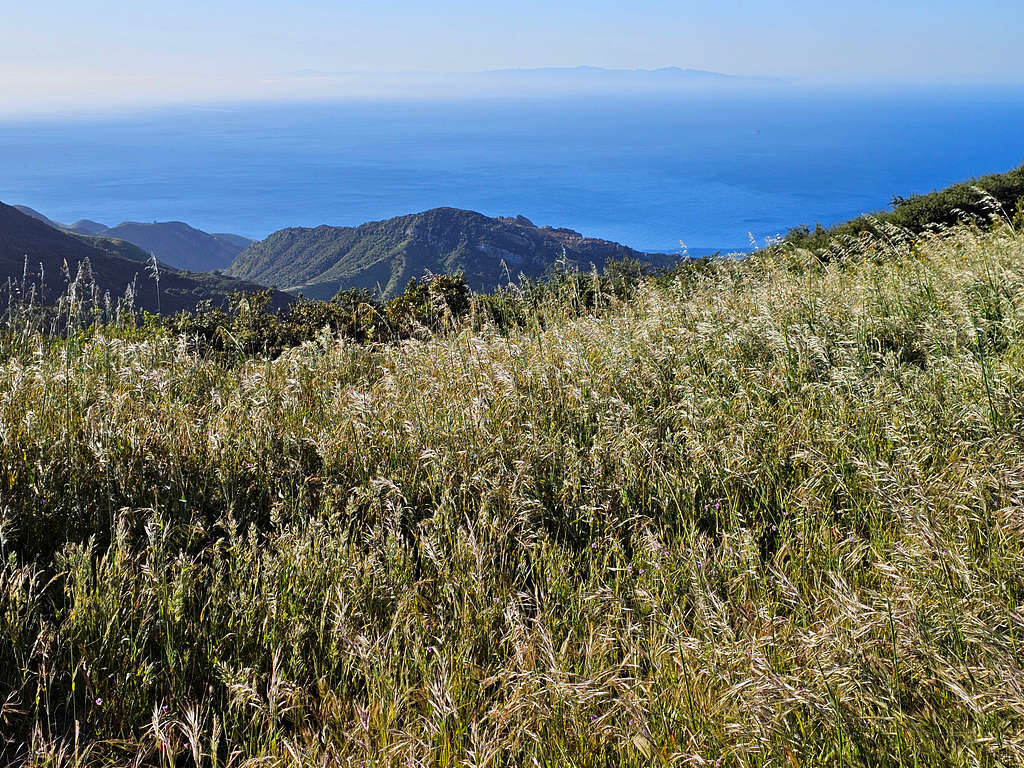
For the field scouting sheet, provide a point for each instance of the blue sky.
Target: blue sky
(63, 52)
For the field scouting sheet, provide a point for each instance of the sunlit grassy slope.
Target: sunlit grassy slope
(766, 512)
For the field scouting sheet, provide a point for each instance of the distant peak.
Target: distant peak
(31, 212)
(385, 255)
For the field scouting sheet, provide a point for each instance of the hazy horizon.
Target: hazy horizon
(117, 54)
(319, 86)
(647, 171)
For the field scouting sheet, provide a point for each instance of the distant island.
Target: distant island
(527, 81)
(664, 74)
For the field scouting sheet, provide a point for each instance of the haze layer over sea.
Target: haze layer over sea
(651, 170)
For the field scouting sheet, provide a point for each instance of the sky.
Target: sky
(64, 53)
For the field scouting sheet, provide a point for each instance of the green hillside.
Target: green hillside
(29, 246)
(387, 254)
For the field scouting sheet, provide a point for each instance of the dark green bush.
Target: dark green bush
(1001, 196)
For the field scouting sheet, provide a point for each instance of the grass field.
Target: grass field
(766, 511)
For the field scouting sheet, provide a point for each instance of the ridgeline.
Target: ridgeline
(384, 255)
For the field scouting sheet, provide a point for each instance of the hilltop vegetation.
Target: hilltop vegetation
(747, 513)
(974, 199)
(382, 256)
(250, 325)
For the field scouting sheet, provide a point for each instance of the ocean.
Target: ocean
(709, 169)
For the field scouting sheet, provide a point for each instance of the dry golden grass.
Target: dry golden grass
(768, 512)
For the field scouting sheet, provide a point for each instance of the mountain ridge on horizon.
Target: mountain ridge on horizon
(597, 70)
(384, 255)
(176, 243)
(380, 255)
(590, 70)
(29, 245)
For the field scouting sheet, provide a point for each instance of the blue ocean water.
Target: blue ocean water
(709, 169)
